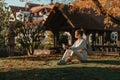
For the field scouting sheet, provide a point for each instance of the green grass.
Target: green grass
(37, 68)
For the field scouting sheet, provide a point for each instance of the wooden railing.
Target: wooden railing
(106, 49)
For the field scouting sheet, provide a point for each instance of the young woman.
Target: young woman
(79, 48)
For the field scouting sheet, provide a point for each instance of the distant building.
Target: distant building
(31, 12)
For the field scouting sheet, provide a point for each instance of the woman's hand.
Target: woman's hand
(80, 50)
(64, 46)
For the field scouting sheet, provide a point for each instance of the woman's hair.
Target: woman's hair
(79, 32)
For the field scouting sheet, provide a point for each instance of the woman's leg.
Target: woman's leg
(67, 55)
(81, 56)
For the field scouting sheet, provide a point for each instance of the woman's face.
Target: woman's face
(77, 35)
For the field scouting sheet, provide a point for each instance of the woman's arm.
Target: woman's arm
(81, 46)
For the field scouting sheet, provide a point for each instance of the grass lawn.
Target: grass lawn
(45, 68)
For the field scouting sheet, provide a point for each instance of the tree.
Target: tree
(29, 35)
(4, 23)
(5, 28)
(107, 12)
(109, 8)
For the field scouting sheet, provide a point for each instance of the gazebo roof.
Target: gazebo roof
(62, 19)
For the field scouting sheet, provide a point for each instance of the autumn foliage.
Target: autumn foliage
(109, 8)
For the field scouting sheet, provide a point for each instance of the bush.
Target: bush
(2, 42)
(63, 39)
(4, 52)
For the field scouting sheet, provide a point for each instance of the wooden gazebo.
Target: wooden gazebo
(62, 19)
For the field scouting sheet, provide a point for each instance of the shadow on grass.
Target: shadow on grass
(111, 62)
(65, 73)
(49, 58)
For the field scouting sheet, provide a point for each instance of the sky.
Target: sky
(18, 3)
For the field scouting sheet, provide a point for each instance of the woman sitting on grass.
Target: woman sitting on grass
(79, 48)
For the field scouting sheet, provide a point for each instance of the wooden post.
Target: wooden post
(56, 38)
(73, 35)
